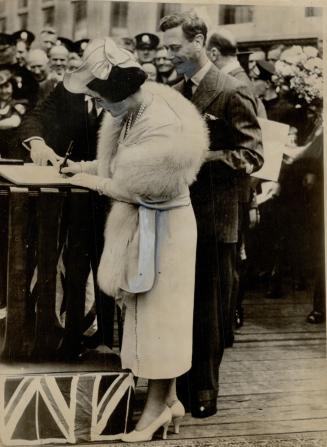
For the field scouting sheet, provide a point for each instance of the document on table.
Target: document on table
(31, 174)
(274, 140)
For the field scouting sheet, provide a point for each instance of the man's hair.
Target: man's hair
(224, 42)
(48, 30)
(189, 21)
(37, 54)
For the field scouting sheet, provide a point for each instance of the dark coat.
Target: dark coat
(240, 74)
(60, 118)
(26, 88)
(230, 110)
(245, 191)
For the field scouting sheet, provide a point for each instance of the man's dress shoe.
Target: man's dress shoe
(204, 409)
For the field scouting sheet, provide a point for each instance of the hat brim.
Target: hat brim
(76, 81)
(145, 47)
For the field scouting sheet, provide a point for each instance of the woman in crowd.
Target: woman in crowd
(151, 146)
(11, 113)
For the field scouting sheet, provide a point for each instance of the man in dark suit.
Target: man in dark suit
(47, 131)
(222, 51)
(61, 118)
(235, 150)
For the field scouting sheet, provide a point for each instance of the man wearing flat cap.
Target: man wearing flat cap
(146, 45)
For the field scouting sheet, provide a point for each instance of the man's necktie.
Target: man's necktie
(187, 88)
(92, 114)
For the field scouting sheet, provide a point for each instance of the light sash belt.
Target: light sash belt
(143, 280)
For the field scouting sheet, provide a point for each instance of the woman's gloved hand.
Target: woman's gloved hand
(89, 181)
(73, 167)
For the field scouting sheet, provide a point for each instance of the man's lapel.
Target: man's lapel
(210, 87)
(179, 86)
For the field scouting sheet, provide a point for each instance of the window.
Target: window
(168, 8)
(80, 19)
(229, 14)
(2, 6)
(23, 20)
(3, 24)
(119, 13)
(312, 12)
(48, 16)
(22, 4)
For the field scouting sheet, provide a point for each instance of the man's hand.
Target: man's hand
(309, 180)
(293, 153)
(254, 217)
(273, 190)
(41, 153)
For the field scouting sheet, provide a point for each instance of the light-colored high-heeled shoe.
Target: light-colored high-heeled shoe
(177, 413)
(147, 433)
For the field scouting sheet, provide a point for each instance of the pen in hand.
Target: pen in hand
(64, 163)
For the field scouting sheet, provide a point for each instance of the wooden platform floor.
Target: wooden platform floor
(273, 386)
(273, 383)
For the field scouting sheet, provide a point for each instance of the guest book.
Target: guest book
(31, 174)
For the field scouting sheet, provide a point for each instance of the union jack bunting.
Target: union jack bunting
(44, 409)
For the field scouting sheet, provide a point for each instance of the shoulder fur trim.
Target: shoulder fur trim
(188, 141)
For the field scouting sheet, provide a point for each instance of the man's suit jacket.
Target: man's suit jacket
(245, 185)
(60, 118)
(240, 74)
(229, 108)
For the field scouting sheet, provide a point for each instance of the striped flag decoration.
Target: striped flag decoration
(65, 408)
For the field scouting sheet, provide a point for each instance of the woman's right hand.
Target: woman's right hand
(41, 153)
(72, 167)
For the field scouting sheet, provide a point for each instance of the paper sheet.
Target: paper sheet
(31, 174)
(274, 139)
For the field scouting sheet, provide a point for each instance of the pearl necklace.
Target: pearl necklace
(130, 123)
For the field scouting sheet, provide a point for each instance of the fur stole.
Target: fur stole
(160, 156)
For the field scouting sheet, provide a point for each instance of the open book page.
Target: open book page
(274, 138)
(31, 174)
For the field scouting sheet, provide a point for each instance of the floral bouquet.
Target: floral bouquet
(299, 74)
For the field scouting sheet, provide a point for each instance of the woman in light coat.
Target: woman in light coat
(151, 146)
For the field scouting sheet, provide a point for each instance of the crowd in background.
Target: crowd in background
(283, 236)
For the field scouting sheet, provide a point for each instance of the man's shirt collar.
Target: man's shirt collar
(199, 75)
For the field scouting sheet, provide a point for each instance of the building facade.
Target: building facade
(77, 19)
